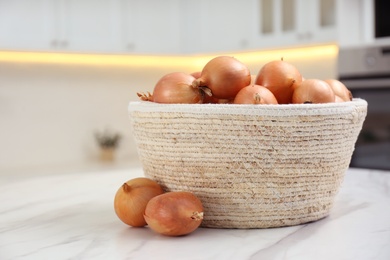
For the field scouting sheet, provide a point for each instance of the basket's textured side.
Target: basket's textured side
(250, 171)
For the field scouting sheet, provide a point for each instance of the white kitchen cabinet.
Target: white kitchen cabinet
(295, 22)
(62, 25)
(90, 26)
(175, 26)
(233, 25)
(152, 26)
(357, 23)
(27, 25)
(221, 25)
(95, 26)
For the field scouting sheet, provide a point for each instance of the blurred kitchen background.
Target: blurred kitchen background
(69, 68)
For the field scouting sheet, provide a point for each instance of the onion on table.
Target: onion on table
(174, 213)
(131, 199)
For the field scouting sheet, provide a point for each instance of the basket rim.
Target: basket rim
(237, 109)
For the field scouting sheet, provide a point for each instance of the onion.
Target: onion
(255, 94)
(225, 76)
(313, 91)
(131, 200)
(176, 87)
(174, 213)
(281, 78)
(339, 89)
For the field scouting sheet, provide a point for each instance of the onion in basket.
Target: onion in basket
(255, 94)
(313, 91)
(225, 76)
(281, 78)
(339, 89)
(175, 88)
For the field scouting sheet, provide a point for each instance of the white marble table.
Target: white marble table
(71, 216)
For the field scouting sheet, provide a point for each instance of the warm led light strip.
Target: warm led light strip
(89, 59)
(164, 61)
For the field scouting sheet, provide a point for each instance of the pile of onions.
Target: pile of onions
(225, 79)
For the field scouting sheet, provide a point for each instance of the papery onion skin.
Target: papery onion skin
(175, 213)
(176, 88)
(255, 94)
(145, 96)
(313, 91)
(131, 199)
(339, 89)
(281, 78)
(225, 76)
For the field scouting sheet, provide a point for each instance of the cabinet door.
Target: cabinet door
(296, 22)
(355, 22)
(91, 26)
(320, 24)
(27, 24)
(152, 26)
(225, 25)
(278, 23)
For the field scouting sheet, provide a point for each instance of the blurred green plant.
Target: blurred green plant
(108, 139)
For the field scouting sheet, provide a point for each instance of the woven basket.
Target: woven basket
(251, 166)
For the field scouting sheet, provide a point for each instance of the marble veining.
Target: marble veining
(71, 216)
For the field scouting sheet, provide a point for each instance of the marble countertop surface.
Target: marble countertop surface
(71, 216)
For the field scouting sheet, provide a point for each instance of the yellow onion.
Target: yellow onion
(225, 76)
(313, 91)
(339, 89)
(175, 88)
(174, 213)
(281, 78)
(255, 94)
(131, 200)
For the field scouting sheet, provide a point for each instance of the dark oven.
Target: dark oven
(366, 72)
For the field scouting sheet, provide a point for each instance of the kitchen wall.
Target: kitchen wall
(49, 111)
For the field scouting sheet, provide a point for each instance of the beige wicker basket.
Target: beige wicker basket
(252, 166)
